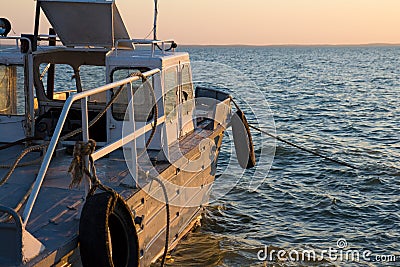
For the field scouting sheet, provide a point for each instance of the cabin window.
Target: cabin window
(63, 82)
(143, 102)
(187, 90)
(171, 87)
(12, 97)
(92, 76)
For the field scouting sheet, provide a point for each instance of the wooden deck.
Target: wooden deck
(54, 217)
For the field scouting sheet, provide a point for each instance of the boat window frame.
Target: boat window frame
(186, 102)
(14, 91)
(171, 91)
(133, 69)
(70, 57)
(57, 95)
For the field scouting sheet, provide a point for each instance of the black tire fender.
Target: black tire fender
(243, 141)
(107, 233)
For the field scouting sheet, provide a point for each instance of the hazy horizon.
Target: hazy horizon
(255, 22)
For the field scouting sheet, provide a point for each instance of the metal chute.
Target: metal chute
(95, 23)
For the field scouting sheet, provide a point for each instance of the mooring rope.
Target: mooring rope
(20, 157)
(295, 145)
(303, 148)
(18, 142)
(16, 164)
(166, 245)
(9, 166)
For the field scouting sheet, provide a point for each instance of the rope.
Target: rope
(78, 167)
(9, 166)
(29, 163)
(168, 220)
(96, 182)
(8, 175)
(14, 165)
(297, 146)
(153, 131)
(95, 119)
(304, 149)
(155, 121)
(18, 142)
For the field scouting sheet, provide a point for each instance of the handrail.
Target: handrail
(57, 133)
(17, 38)
(151, 42)
(125, 139)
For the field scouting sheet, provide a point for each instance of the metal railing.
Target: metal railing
(9, 59)
(83, 96)
(18, 39)
(153, 43)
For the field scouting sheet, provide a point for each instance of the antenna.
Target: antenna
(155, 19)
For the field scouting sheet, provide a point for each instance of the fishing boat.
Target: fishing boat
(109, 175)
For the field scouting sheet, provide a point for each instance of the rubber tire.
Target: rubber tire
(243, 141)
(98, 215)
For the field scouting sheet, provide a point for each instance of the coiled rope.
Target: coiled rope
(78, 167)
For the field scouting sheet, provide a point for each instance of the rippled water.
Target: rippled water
(340, 101)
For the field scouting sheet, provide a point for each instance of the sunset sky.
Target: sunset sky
(253, 22)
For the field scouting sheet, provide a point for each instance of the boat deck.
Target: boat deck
(54, 220)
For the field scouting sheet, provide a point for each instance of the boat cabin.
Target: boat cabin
(36, 84)
(87, 96)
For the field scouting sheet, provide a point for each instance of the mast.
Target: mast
(155, 19)
(36, 27)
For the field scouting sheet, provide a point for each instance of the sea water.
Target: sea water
(342, 102)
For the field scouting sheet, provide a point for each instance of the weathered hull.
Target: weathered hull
(151, 232)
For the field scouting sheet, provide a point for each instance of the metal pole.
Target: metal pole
(57, 132)
(85, 139)
(85, 125)
(36, 30)
(51, 71)
(155, 19)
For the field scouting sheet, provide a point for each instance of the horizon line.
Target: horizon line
(292, 45)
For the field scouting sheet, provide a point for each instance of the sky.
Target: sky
(250, 22)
